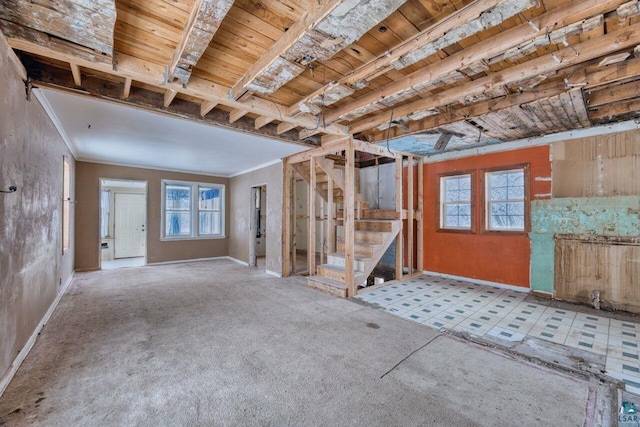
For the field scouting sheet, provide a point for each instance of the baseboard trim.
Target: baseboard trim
(182, 261)
(22, 355)
(479, 282)
(273, 273)
(85, 270)
(246, 264)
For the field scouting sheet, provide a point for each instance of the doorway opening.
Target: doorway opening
(258, 228)
(123, 223)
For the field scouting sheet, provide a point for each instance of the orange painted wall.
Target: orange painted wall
(496, 258)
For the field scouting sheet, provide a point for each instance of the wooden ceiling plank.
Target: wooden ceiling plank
(309, 20)
(88, 23)
(617, 93)
(328, 27)
(204, 20)
(459, 25)
(153, 74)
(574, 12)
(610, 111)
(13, 58)
(579, 53)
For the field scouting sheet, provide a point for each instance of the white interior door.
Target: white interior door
(130, 225)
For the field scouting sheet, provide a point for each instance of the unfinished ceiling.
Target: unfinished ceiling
(449, 73)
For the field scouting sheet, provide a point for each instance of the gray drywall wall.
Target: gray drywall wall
(33, 268)
(240, 201)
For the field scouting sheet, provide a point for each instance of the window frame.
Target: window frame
(440, 194)
(194, 191)
(484, 182)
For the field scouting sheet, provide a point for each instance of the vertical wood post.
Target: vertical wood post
(399, 242)
(410, 213)
(323, 222)
(286, 221)
(294, 219)
(420, 240)
(331, 218)
(349, 223)
(311, 246)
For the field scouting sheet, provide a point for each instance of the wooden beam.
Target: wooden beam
(420, 216)
(37, 43)
(284, 127)
(607, 112)
(580, 53)
(311, 234)
(169, 95)
(75, 71)
(399, 242)
(262, 121)
(331, 218)
(443, 140)
(410, 213)
(286, 221)
(613, 94)
(7, 52)
(126, 91)
(317, 11)
(237, 114)
(382, 63)
(202, 24)
(349, 220)
(207, 106)
(496, 45)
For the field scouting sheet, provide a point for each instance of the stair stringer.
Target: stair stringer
(389, 237)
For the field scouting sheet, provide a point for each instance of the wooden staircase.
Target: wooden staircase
(372, 238)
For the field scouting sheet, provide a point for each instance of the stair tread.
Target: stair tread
(355, 257)
(365, 244)
(338, 268)
(327, 281)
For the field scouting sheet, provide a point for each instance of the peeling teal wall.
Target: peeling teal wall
(601, 216)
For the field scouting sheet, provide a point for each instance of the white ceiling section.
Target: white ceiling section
(106, 132)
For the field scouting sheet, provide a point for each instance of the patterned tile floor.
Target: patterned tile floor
(502, 313)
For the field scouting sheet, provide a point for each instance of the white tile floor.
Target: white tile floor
(502, 313)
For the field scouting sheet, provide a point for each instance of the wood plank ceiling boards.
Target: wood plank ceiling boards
(307, 71)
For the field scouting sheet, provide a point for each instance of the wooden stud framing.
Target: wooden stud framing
(399, 242)
(286, 223)
(263, 121)
(284, 127)
(349, 223)
(311, 196)
(206, 107)
(410, 213)
(331, 218)
(236, 115)
(420, 216)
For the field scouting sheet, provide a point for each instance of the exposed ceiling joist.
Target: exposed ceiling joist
(207, 106)
(328, 27)
(126, 92)
(572, 13)
(204, 20)
(75, 71)
(262, 121)
(580, 53)
(169, 95)
(236, 115)
(465, 22)
(152, 74)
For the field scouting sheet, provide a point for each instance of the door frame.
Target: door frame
(253, 259)
(146, 215)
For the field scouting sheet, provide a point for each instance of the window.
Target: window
(192, 210)
(505, 200)
(66, 204)
(105, 202)
(455, 202)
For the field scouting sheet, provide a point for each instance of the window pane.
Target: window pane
(498, 180)
(451, 221)
(515, 208)
(515, 192)
(178, 198)
(451, 210)
(210, 223)
(209, 198)
(498, 193)
(506, 200)
(465, 221)
(178, 223)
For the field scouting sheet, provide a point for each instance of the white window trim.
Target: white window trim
(488, 201)
(443, 204)
(195, 223)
